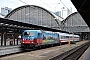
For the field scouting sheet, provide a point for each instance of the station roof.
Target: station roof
(83, 7)
(16, 24)
(35, 15)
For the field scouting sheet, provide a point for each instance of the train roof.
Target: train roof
(49, 32)
(73, 35)
(63, 34)
(39, 31)
(33, 31)
(76, 35)
(60, 33)
(66, 34)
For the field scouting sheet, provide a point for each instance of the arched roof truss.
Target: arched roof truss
(36, 15)
(74, 23)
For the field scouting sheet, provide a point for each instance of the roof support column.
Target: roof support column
(2, 38)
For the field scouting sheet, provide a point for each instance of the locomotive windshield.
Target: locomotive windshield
(29, 33)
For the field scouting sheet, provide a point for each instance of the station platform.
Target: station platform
(5, 47)
(43, 54)
(5, 50)
(86, 55)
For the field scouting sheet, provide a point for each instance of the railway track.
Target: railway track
(73, 54)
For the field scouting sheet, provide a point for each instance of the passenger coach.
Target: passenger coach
(38, 38)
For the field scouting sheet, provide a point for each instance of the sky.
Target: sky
(51, 5)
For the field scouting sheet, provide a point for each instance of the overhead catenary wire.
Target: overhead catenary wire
(82, 4)
(64, 5)
(22, 2)
(47, 5)
(29, 4)
(12, 2)
(16, 3)
(41, 1)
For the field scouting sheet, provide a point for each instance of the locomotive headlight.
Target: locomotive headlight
(22, 42)
(31, 42)
(24, 39)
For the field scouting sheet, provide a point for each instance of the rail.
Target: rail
(73, 54)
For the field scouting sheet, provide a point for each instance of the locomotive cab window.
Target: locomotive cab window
(25, 33)
(29, 33)
(38, 34)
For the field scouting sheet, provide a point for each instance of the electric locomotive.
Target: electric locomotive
(36, 38)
